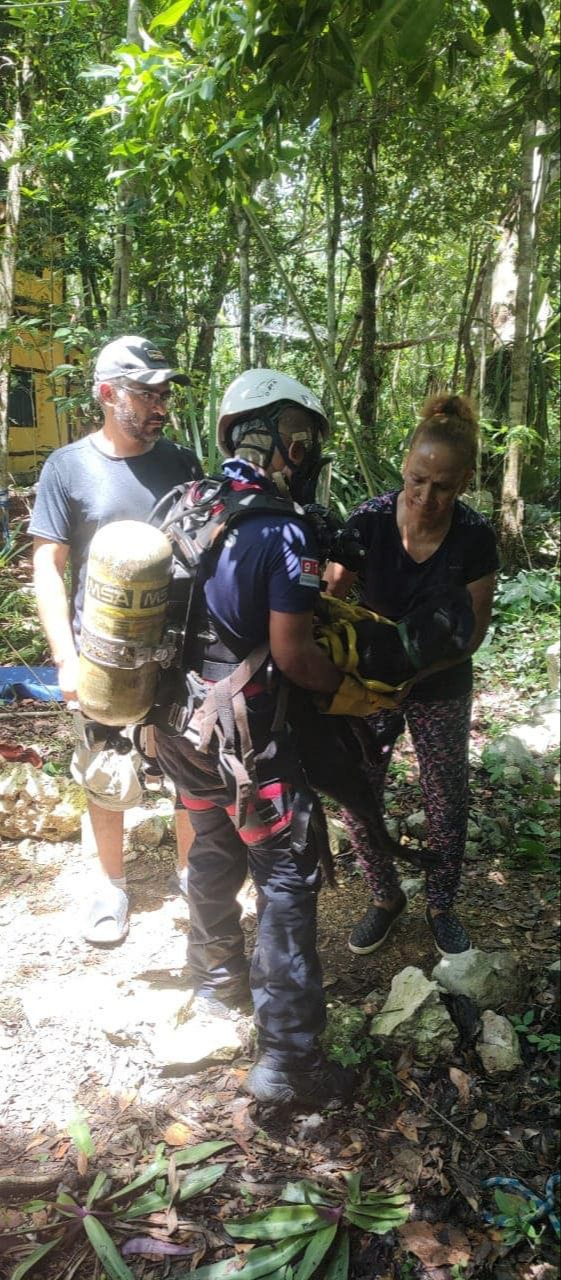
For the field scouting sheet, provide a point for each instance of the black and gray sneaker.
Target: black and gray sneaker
(450, 937)
(371, 932)
(322, 1086)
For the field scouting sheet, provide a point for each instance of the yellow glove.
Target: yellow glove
(352, 698)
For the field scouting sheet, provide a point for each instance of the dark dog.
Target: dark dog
(438, 629)
(335, 750)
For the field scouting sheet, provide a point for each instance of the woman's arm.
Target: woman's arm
(482, 592)
(339, 580)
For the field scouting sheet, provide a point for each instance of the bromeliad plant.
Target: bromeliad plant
(309, 1230)
(158, 1189)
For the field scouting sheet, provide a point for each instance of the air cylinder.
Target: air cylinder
(126, 593)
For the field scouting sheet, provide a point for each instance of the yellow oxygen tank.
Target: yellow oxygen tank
(127, 584)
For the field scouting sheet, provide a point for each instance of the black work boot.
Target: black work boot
(322, 1085)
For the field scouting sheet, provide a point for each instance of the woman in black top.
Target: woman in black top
(418, 538)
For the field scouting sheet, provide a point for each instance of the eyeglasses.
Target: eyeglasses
(149, 397)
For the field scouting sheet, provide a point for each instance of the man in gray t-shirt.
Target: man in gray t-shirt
(117, 473)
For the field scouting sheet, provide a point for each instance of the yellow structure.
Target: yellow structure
(36, 426)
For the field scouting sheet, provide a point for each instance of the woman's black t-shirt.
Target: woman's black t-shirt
(392, 582)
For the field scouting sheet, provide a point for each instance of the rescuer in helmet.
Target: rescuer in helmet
(115, 473)
(261, 588)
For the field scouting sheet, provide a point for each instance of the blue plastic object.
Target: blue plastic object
(29, 682)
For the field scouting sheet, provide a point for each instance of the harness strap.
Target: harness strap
(224, 711)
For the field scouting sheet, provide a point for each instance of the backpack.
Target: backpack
(196, 518)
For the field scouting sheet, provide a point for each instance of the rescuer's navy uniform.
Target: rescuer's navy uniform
(267, 562)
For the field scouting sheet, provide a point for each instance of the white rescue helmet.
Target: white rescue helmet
(258, 389)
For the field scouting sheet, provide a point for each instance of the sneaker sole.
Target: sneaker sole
(369, 951)
(439, 949)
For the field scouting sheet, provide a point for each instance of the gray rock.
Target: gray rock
(498, 1046)
(145, 827)
(415, 1015)
(550, 705)
(512, 774)
(417, 823)
(510, 750)
(472, 850)
(34, 803)
(553, 663)
(539, 738)
(412, 885)
(392, 828)
(489, 978)
(201, 1040)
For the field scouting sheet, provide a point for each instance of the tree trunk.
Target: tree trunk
(8, 264)
(369, 371)
(470, 273)
(470, 358)
(201, 364)
(124, 236)
(244, 238)
(512, 507)
(333, 221)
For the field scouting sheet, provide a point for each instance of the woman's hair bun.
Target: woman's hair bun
(444, 405)
(450, 420)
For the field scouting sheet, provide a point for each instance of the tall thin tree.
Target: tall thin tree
(8, 263)
(124, 236)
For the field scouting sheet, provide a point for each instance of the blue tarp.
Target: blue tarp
(29, 682)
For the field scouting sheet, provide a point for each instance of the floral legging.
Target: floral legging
(440, 733)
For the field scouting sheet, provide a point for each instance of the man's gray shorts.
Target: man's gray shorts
(109, 780)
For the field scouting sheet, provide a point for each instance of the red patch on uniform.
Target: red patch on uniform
(311, 567)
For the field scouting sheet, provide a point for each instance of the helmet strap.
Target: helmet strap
(265, 425)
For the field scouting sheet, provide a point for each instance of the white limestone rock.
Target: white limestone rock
(415, 1015)
(499, 1045)
(38, 805)
(489, 978)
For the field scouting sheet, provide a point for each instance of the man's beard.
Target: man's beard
(145, 432)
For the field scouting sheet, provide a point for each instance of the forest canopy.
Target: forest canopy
(362, 193)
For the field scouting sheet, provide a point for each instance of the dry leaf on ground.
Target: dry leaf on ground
(177, 1135)
(436, 1245)
(462, 1083)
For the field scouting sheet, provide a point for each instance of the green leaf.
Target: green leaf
(318, 1247)
(96, 1189)
(78, 1130)
(384, 17)
(303, 1193)
(512, 1206)
(503, 12)
(338, 1268)
(159, 1167)
(170, 17)
(100, 72)
(234, 144)
(379, 1223)
(151, 1202)
(537, 19)
(107, 1252)
(470, 44)
(276, 1224)
(353, 1181)
(33, 1258)
(200, 1181)
(260, 1262)
(417, 29)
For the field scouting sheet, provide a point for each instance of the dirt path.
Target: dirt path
(79, 1030)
